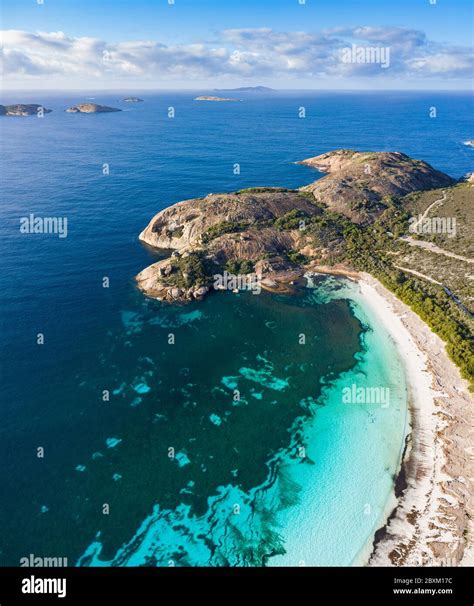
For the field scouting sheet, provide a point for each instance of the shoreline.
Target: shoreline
(431, 519)
(428, 519)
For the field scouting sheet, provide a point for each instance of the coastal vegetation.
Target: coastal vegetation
(371, 254)
(191, 271)
(240, 266)
(261, 190)
(225, 227)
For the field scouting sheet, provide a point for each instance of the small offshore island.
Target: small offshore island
(211, 98)
(21, 109)
(245, 89)
(91, 108)
(354, 222)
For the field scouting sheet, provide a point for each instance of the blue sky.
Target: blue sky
(212, 43)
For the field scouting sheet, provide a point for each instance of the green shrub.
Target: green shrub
(296, 257)
(262, 190)
(194, 270)
(291, 220)
(240, 266)
(224, 227)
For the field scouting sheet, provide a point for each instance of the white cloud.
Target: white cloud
(448, 62)
(247, 53)
(398, 36)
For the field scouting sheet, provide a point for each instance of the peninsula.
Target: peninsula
(354, 221)
(282, 233)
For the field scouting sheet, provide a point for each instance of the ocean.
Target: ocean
(170, 469)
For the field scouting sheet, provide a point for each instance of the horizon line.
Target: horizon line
(236, 89)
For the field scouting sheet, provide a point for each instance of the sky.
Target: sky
(200, 44)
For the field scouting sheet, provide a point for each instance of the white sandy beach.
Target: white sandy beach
(432, 523)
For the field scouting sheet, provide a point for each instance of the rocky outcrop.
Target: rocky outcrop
(152, 281)
(132, 100)
(241, 220)
(20, 109)
(257, 226)
(91, 108)
(359, 184)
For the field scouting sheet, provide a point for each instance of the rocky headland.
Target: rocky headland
(275, 232)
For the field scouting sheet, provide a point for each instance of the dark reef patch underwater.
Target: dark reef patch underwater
(183, 464)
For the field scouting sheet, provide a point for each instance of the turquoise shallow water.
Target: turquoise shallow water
(218, 496)
(326, 490)
(356, 449)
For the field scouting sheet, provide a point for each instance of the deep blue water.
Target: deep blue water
(51, 393)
